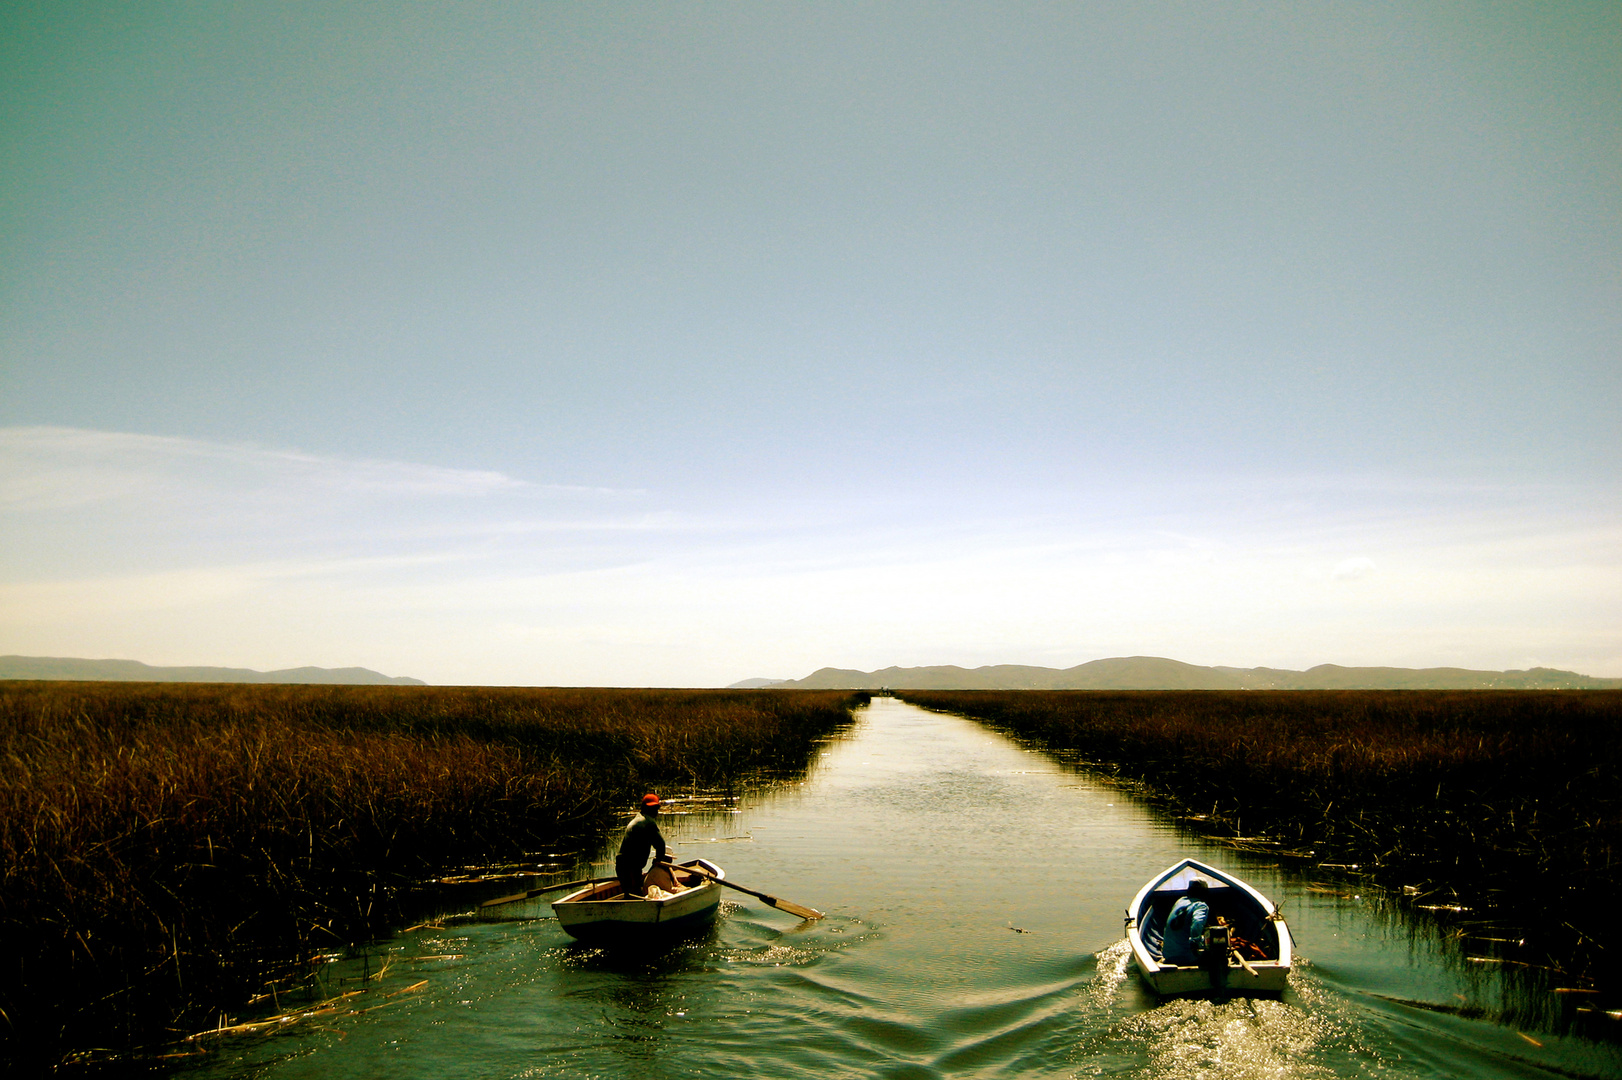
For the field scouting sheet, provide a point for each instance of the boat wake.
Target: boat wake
(1114, 964)
(1308, 1034)
(1240, 1039)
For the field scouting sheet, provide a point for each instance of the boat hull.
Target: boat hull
(1250, 913)
(1269, 980)
(601, 915)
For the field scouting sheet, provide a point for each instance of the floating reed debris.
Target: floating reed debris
(169, 848)
(1508, 798)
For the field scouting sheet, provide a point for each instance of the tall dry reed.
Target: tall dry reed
(164, 848)
(1511, 796)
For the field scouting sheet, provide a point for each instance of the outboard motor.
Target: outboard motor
(1215, 958)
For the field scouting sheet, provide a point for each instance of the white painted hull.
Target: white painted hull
(1270, 977)
(600, 913)
(1248, 909)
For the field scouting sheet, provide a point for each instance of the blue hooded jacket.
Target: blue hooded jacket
(1185, 930)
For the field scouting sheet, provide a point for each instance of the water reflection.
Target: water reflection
(975, 893)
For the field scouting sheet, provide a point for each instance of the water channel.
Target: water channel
(974, 892)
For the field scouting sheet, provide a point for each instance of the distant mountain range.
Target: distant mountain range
(1119, 673)
(1158, 673)
(63, 667)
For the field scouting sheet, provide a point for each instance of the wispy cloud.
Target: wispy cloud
(79, 502)
(54, 467)
(182, 551)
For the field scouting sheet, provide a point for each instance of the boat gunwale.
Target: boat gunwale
(1156, 972)
(574, 904)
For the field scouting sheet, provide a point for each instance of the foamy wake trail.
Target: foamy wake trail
(1238, 1039)
(1243, 1039)
(1111, 973)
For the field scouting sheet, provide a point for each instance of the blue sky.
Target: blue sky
(675, 344)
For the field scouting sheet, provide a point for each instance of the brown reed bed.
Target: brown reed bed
(1508, 803)
(165, 849)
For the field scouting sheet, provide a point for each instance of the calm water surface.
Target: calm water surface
(974, 893)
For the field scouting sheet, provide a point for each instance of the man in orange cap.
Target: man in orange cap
(641, 836)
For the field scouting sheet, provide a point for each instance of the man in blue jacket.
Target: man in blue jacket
(1184, 938)
(641, 837)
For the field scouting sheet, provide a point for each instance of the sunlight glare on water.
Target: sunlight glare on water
(974, 892)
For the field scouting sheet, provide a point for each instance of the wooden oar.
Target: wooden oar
(1243, 962)
(536, 892)
(775, 901)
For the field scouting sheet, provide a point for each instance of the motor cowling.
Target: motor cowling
(1215, 957)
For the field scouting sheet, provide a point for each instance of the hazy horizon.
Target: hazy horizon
(655, 345)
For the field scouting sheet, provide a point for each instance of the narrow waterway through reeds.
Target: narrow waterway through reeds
(974, 891)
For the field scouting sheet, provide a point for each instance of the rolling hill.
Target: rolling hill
(1159, 673)
(63, 667)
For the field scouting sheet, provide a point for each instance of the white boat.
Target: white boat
(675, 901)
(1254, 958)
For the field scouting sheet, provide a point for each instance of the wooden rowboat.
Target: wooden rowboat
(1251, 955)
(676, 901)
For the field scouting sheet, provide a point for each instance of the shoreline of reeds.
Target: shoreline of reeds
(1502, 802)
(167, 848)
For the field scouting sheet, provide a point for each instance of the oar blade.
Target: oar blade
(791, 907)
(774, 901)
